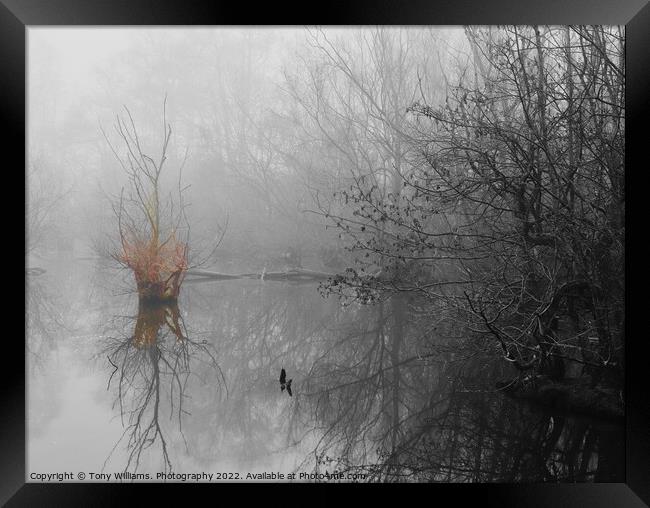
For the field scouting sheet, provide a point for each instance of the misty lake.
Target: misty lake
(376, 393)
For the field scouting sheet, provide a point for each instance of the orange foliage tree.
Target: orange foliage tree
(153, 228)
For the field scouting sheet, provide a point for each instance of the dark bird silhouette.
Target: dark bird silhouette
(284, 383)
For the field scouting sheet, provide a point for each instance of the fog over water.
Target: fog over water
(422, 227)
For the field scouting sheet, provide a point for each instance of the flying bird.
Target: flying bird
(284, 383)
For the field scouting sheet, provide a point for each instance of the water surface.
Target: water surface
(380, 392)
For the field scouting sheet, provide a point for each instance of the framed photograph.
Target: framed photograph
(385, 245)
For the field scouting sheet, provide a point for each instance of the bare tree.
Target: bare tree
(511, 207)
(44, 196)
(152, 226)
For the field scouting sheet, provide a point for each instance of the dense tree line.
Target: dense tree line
(481, 169)
(506, 201)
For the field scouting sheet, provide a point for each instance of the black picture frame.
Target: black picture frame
(17, 15)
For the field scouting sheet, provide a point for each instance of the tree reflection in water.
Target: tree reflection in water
(43, 322)
(398, 415)
(382, 389)
(152, 364)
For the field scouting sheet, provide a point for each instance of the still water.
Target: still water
(383, 392)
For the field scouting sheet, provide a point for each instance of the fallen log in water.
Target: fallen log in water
(211, 275)
(296, 274)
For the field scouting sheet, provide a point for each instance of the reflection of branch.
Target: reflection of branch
(143, 359)
(112, 374)
(44, 321)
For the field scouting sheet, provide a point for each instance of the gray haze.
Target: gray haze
(423, 226)
(231, 104)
